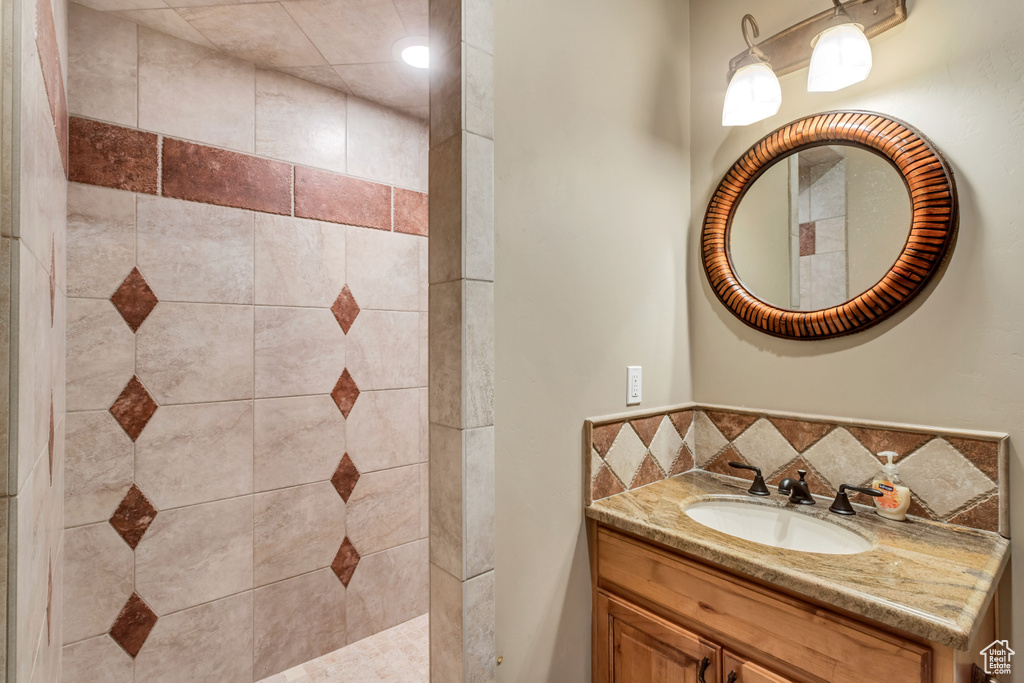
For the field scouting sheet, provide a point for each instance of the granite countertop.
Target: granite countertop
(925, 578)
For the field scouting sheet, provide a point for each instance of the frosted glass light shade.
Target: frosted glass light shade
(841, 57)
(753, 94)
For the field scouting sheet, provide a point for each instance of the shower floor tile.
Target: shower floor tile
(400, 654)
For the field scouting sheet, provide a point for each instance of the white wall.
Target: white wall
(954, 358)
(591, 211)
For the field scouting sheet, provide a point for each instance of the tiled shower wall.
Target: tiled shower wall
(954, 477)
(246, 477)
(32, 304)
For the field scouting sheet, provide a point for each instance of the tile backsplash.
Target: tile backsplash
(957, 477)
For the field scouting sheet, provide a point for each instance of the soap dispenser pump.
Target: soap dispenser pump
(895, 498)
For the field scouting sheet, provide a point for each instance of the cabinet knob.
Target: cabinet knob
(732, 677)
(704, 664)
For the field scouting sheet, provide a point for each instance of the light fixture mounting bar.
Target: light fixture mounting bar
(790, 50)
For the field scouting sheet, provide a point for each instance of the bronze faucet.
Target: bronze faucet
(797, 491)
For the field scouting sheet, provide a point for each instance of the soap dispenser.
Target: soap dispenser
(895, 498)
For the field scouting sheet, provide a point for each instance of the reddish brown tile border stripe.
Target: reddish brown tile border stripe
(127, 159)
(410, 212)
(217, 176)
(112, 156)
(53, 76)
(330, 197)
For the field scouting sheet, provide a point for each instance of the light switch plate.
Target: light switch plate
(634, 384)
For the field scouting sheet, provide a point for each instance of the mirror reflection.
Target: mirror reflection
(820, 227)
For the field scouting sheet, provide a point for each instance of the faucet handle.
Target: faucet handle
(802, 473)
(841, 505)
(758, 488)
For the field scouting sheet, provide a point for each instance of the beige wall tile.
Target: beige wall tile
(241, 31)
(478, 91)
(445, 17)
(424, 501)
(388, 588)
(446, 80)
(386, 146)
(424, 424)
(100, 354)
(100, 240)
(383, 429)
(446, 211)
(102, 66)
(446, 354)
(298, 440)
(943, 478)
(478, 26)
(192, 353)
(446, 499)
(446, 641)
(98, 468)
(195, 554)
(478, 506)
(191, 454)
(164, 20)
(393, 84)
(297, 620)
(299, 351)
(763, 446)
(195, 252)
(297, 530)
(58, 356)
(383, 350)
(384, 510)
(479, 208)
(424, 277)
(34, 343)
(107, 5)
(298, 262)
(424, 349)
(212, 642)
(220, 108)
(321, 75)
(478, 354)
(31, 544)
(346, 33)
(384, 269)
(6, 329)
(299, 121)
(478, 629)
(97, 580)
(97, 659)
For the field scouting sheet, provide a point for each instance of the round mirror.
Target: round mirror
(829, 225)
(819, 227)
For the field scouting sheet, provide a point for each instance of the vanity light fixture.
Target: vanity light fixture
(842, 54)
(834, 43)
(753, 93)
(413, 51)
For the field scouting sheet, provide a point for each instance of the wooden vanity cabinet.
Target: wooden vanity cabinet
(658, 615)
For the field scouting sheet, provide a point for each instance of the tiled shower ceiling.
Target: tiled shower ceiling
(341, 44)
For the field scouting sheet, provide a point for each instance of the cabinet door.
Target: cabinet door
(635, 646)
(739, 670)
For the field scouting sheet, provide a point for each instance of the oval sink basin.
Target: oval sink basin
(778, 527)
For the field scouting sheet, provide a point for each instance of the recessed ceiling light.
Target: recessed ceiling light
(413, 51)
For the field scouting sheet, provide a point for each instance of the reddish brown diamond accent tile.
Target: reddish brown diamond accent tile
(345, 309)
(807, 239)
(801, 434)
(816, 484)
(683, 463)
(648, 473)
(134, 299)
(730, 424)
(878, 440)
(604, 436)
(984, 455)
(345, 393)
(682, 421)
(720, 465)
(605, 484)
(647, 427)
(345, 561)
(984, 515)
(133, 408)
(133, 625)
(916, 508)
(345, 477)
(133, 516)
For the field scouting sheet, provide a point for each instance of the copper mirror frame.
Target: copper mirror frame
(932, 230)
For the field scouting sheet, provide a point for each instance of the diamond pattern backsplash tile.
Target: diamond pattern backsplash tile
(954, 477)
(134, 300)
(133, 516)
(345, 477)
(133, 625)
(345, 562)
(134, 408)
